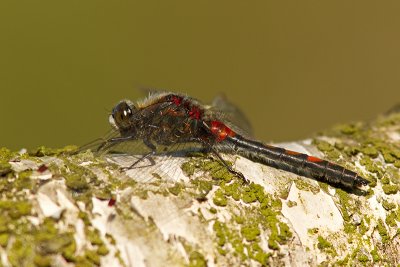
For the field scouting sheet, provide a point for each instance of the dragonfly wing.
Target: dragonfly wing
(231, 115)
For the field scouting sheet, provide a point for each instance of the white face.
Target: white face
(112, 122)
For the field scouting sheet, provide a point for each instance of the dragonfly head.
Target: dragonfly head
(121, 116)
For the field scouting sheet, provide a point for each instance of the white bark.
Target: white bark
(163, 219)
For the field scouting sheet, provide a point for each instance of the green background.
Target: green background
(294, 67)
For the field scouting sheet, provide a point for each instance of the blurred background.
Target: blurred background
(293, 67)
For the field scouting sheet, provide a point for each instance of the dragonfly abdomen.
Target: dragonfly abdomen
(295, 162)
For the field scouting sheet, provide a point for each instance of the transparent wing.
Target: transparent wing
(231, 115)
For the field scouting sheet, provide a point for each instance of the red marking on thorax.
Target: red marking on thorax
(313, 159)
(171, 112)
(176, 99)
(220, 130)
(195, 113)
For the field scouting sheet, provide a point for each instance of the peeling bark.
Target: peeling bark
(84, 210)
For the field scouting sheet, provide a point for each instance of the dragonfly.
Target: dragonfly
(168, 119)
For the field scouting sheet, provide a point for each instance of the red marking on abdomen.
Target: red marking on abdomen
(220, 130)
(290, 152)
(314, 159)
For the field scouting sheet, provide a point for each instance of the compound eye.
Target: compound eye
(122, 114)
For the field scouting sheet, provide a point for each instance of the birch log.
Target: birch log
(82, 210)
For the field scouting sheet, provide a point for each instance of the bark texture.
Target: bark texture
(82, 210)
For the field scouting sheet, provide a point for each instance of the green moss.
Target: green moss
(4, 221)
(21, 252)
(291, 204)
(42, 261)
(262, 258)
(4, 237)
(176, 189)
(301, 184)
(280, 234)
(21, 208)
(250, 232)
(76, 182)
(313, 231)
(329, 150)
(233, 190)
(371, 166)
(188, 168)
(390, 189)
(325, 245)
(396, 153)
(215, 168)
(323, 146)
(93, 237)
(375, 255)
(196, 259)
(284, 233)
(220, 230)
(49, 243)
(102, 250)
(344, 201)
(16, 209)
(5, 168)
(339, 145)
(370, 151)
(363, 258)
(46, 151)
(363, 228)
(220, 199)
(272, 244)
(6, 155)
(243, 244)
(382, 231)
(84, 216)
(351, 150)
(373, 182)
(349, 228)
(391, 219)
(23, 181)
(388, 205)
(388, 158)
(348, 129)
(202, 186)
(249, 197)
(92, 256)
(394, 174)
(239, 219)
(397, 163)
(385, 180)
(68, 252)
(6, 204)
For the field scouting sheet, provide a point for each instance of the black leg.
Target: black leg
(113, 141)
(146, 156)
(230, 169)
(210, 148)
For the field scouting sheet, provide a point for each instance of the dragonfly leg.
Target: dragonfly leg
(146, 156)
(112, 142)
(226, 165)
